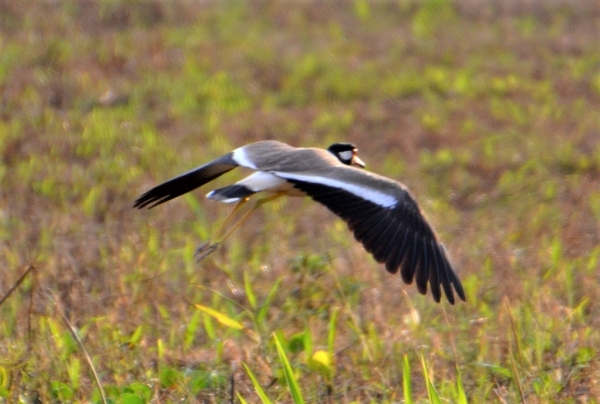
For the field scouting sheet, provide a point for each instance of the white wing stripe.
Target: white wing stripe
(370, 194)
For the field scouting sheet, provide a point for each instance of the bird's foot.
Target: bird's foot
(204, 250)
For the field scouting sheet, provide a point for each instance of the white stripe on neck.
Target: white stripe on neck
(240, 157)
(380, 198)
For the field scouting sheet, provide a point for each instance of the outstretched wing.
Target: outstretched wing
(186, 182)
(390, 227)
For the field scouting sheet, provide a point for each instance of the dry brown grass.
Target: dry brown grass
(489, 113)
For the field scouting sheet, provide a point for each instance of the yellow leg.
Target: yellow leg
(229, 217)
(207, 248)
(257, 205)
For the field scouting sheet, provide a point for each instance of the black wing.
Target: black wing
(399, 236)
(186, 182)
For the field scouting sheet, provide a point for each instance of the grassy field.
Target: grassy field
(487, 111)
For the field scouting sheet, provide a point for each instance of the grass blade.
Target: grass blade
(289, 374)
(519, 351)
(249, 292)
(17, 283)
(257, 387)
(262, 313)
(220, 317)
(332, 326)
(431, 392)
(460, 388)
(87, 358)
(406, 381)
(242, 400)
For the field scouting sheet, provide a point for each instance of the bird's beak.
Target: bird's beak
(356, 161)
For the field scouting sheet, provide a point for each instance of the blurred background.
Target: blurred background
(486, 110)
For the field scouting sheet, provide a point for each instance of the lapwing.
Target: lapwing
(381, 212)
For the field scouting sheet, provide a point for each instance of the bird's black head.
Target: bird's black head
(347, 153)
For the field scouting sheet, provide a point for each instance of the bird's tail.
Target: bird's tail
(232, 193)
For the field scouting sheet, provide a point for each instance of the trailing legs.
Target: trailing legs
(209, 247)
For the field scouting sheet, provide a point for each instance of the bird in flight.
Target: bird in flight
(381, 212)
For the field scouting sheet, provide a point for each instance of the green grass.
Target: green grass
(488, 112)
